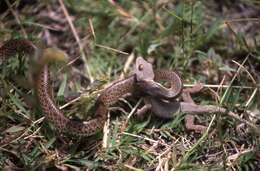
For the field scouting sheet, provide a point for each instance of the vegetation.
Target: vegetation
(213, 42)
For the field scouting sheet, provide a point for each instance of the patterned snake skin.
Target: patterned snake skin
(108, 97)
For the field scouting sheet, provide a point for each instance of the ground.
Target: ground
(213, 42)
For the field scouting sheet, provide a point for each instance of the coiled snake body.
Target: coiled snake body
(108, 96)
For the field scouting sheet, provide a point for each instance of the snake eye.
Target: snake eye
(140, 67)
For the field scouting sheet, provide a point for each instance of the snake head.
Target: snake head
(143, 70)
(53, 54)
(46, 56)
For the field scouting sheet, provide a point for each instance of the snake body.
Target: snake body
(53, 114)
(109, 96)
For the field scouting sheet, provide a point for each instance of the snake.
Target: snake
(144, 80)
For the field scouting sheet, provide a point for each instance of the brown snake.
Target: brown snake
(108, 96)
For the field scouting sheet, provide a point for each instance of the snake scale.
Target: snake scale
(110, 95)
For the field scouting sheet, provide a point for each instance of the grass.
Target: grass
(189, 36)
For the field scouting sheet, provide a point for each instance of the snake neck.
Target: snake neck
(118, 89)
(52, 112)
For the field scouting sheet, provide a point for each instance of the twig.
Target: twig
(68, 64)
(109, 48)
(144, 138)
(233, 79)
(127, 64)
(129, 116)
(254, 127)
(231, 159)
(191, 150)
(16, 18)
(251, 77)
(121, 10)
(77, 39)
(40, 25)
(222, 86)
(251, 97)
(132, 168)
(242, 19)
(233, 31)
(92, 28)
(106, 131)
(69, 103)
